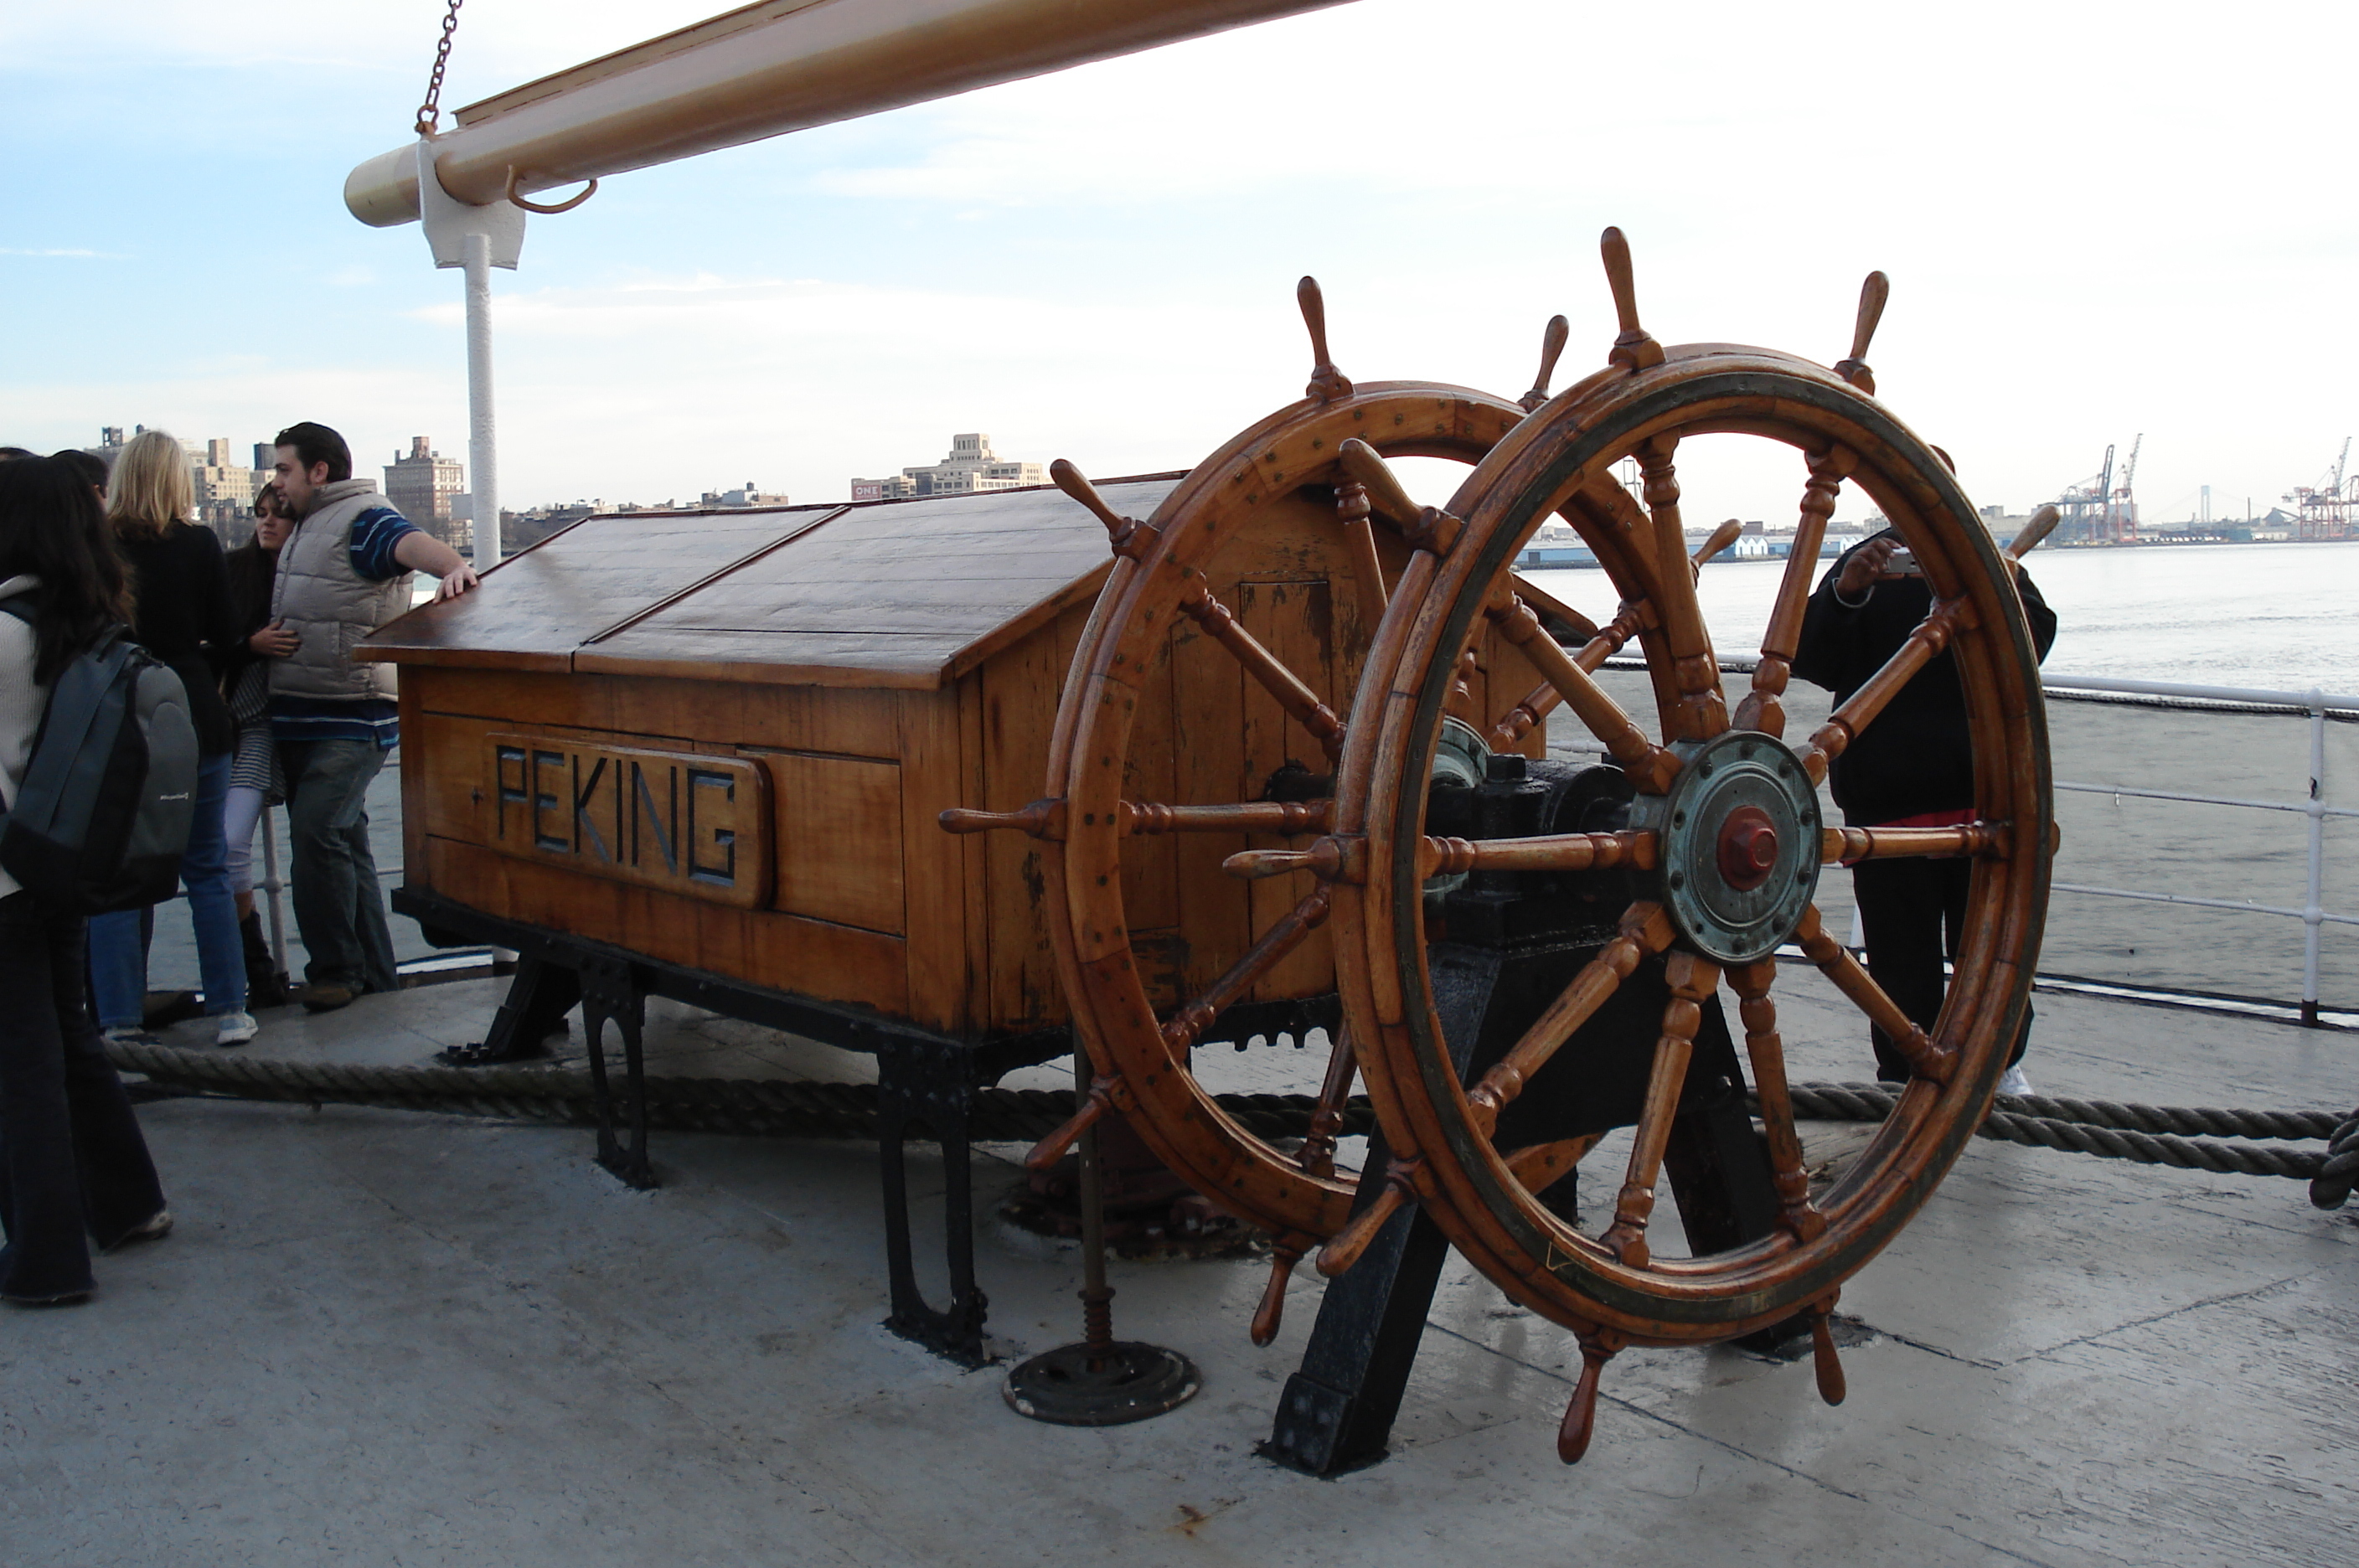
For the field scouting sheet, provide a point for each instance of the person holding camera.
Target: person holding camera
(1914, 766)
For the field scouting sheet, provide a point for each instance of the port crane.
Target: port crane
(2097, 511)
(2326, 512)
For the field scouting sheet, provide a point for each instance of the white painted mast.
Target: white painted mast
(475, 239)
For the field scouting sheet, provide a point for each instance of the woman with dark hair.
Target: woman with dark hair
(74, 1165)
(256, 783)
(185, 620)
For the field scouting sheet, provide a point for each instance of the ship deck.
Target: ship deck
(393, 1338)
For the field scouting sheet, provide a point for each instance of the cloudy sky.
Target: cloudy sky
(2098, 221)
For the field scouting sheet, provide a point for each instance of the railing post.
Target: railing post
(272, 886)
(2313, 910)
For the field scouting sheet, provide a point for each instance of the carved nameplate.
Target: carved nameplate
(685, 823)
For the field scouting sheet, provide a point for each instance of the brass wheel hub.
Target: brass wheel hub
(1739, 860)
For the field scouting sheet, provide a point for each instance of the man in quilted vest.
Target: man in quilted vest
(344, 573)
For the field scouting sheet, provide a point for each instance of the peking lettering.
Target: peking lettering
(687, 823)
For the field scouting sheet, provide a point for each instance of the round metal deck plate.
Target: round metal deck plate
(1076, 1385)
(1729, 786)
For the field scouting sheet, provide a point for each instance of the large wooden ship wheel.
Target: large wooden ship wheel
(1717, 857)
(1106, 835)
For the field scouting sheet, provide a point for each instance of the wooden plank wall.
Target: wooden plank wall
(839, 925)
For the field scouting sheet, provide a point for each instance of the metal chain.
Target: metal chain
(431, 112)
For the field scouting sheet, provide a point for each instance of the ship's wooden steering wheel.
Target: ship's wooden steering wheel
(1270, 513)
(1723, 843)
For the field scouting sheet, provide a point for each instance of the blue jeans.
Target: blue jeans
(118, 941)
(74, 1165)
(338, 906)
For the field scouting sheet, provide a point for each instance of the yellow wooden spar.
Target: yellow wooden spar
(762, 70)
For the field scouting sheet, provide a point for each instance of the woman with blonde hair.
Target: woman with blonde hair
(184, 617)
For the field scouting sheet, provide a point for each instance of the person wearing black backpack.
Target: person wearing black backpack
(74, 1168)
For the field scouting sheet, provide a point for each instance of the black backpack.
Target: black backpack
(102, 818)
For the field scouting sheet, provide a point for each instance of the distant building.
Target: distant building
(223, 488)
(420, 485)
(971, 466)
(748, 496)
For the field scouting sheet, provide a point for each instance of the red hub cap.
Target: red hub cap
(1748, 848)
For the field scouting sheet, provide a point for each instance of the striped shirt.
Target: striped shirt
(297, 720)
(376, 533)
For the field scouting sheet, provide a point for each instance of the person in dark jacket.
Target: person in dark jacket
(184, 618)
(74, 1170)
(1913, 767)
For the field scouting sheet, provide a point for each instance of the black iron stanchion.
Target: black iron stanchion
(1102, 1381)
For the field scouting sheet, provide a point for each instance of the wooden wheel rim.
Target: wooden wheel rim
(1113, 1015)
(1420, 1102)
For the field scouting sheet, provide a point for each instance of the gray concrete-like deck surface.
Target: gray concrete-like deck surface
(384, 1337)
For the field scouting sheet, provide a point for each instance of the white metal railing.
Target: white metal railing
(2316, 705)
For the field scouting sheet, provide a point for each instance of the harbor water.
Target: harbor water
(2269, 616)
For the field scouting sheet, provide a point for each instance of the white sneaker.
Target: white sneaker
(236, 1029)
(2013, 1081)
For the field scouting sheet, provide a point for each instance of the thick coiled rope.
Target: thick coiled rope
(759, 1107)
(2151, 1134)
(2113, 1130)
(2331, 1186)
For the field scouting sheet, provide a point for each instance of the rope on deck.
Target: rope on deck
(2109, 1128)
(2150, 1134)
(2331, 1186)
(566, 1096)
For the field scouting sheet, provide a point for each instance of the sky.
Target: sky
(2098, 223)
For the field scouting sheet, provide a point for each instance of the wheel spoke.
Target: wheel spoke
(1283, 817)
(1835, 960)
(1602, 643)
(1703, 710)
(1846, 724)
(1645, 930)
(1425, 527)
(1318, 1154)
(1299, 701)
(1184, 1027)
(1851, 845)
(1351, 509)
(1767, 1051)
(1650, 767)
(1764, 708)
(1543, 852)
(1048, 819)
(1692, 980)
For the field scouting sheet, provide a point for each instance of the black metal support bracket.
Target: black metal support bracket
(540, 997)
(1511, 947)
(611, 993)
(931, 1086)
(925, 1081)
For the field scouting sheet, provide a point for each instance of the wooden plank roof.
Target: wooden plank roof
(893, 594)
(905, 594)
